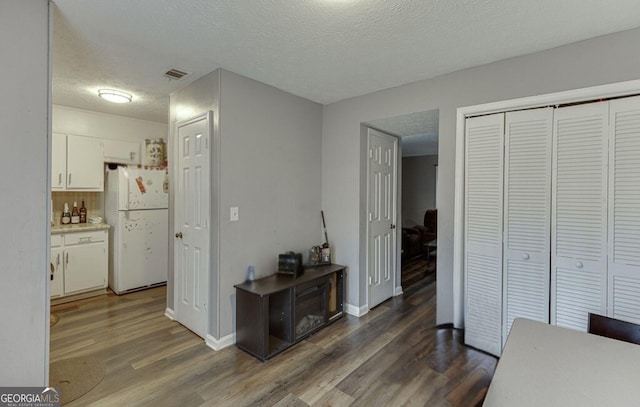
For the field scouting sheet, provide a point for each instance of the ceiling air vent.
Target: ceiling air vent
(175, 74)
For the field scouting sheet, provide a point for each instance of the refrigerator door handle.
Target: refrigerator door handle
(123, 192)
(126, 197)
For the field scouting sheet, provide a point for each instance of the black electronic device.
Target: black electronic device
(290, 263)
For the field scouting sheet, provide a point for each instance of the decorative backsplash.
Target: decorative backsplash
(93, 201)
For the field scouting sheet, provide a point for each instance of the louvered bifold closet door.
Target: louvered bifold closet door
(579, 214)
(527, 216)
(483, 232)
(624, 210)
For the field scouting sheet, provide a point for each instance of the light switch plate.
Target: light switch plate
(234, 214)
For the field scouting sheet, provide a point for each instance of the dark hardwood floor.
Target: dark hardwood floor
(417, 269)
(392, 356)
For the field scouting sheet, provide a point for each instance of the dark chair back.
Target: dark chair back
(614, 328)
(431, 220)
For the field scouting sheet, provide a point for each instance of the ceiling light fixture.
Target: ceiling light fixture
(115, 96)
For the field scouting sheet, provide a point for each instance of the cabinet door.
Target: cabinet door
(483, 232)
(579, 214)
(58, 161)
(85, 267)
(56, 288)
(624, 210)
(527, 216)
(121, 152)
(85, 165)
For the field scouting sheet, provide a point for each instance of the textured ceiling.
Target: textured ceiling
(323, 50)
(418, 131)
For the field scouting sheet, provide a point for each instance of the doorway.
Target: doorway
(416, 231)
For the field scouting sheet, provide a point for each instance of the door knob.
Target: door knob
(579, 264)
(525, 256)
(179, 235)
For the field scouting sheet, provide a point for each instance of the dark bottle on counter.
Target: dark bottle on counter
(83, 213)
(75, 215)
(66, 216)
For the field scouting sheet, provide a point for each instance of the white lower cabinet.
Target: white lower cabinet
(57, 269)
(80, 262)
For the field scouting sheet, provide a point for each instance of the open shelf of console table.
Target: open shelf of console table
(275, 312)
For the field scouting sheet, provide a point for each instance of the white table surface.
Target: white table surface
(544, 365)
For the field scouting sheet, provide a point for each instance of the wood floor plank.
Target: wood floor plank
(291, 401)
(335, 332)
(334, 398)
(327, 374)
(471, 389)
(168, 349)
(394, 355)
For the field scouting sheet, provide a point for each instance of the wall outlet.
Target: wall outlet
(234, 214)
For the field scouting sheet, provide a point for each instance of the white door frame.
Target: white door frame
(364, 252)
(591, 93)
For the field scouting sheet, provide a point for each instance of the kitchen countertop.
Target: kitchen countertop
(83, 227)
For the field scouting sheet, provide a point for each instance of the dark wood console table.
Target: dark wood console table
(275, 312)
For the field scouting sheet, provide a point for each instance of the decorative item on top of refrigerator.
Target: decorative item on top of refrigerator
(156, 153)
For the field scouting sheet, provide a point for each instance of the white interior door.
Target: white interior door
(624, 210)
(191, 271)
(579, 214)
(527, 216)
(484, 178)
(381, 212)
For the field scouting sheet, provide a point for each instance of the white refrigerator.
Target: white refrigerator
(136, 206)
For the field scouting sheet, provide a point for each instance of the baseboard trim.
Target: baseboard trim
(219, 344)
(168, 312)
(356, 311)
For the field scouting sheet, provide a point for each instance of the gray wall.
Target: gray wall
(607, 59)
(418, 188)
(24, 163)
(270, 169)
(269, 166)
(194, 100)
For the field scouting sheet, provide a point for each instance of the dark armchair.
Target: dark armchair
(415, 239)
(429, 231)
(411, 242)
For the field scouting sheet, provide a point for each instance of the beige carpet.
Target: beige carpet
(75, 376)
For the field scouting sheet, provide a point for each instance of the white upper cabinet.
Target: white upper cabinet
(76, 163)
(85, 168)
(121, 152)
(58, 161)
